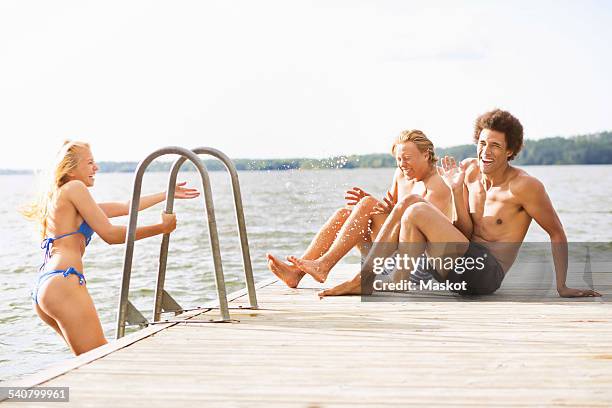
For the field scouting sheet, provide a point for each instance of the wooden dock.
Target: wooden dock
(304, 352)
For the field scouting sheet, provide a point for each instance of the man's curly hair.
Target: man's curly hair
(501, 121)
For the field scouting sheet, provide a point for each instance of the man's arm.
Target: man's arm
(454, 177)
(463, 220)
(537, 204)
(439, 195)
(393, 189)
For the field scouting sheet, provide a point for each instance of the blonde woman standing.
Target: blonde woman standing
(68, 217)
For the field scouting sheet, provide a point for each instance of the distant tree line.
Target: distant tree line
(587, 149)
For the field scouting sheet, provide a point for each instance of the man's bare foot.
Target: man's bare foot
(315, 268)
(290, 274)
(350, 287)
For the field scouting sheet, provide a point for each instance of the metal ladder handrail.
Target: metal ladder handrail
(125, 308)
(163, 300)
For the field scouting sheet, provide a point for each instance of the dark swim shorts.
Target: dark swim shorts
(484, 274)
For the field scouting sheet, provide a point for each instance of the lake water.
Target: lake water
(283, 211)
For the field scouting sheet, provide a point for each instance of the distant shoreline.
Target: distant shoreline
(594, 148)
(10, 172)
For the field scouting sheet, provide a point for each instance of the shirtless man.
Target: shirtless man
(494, 204)
(416, 175)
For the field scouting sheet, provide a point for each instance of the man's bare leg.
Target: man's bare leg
(291, 274)
(420, 221)
(382, 247)
(355, 230)
(413, 244)
(376, 223)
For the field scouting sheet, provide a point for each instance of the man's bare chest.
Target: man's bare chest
(496, 210)
(407, 187)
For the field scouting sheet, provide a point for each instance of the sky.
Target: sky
(274, 79)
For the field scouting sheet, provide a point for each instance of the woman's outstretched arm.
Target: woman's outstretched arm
(120, 208)
(81, 198)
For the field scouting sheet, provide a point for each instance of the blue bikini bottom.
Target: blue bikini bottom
(44, 276)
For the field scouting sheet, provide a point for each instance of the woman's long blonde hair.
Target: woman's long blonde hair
(67, 160)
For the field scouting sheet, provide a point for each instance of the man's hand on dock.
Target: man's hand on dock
(571, 292)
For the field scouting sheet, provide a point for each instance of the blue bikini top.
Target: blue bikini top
(47, 243)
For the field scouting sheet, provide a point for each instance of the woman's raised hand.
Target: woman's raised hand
(452, 174)
(185, 192)
(354, 195)
(386, 205)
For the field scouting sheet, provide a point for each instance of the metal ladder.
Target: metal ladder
(127, 314)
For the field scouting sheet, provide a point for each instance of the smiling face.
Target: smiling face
(412, 162)
(86, 169)
(493, 152)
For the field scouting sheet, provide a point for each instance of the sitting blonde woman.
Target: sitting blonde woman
(68, 217)
(363, 220)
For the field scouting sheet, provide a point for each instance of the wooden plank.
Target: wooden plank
(114, 345)
(298, 350)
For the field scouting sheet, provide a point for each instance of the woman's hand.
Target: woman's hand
(185, 192)
(354, 195)
(168, 222)
(386, 205)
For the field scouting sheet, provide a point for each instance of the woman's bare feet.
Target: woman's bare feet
(289, 274)
(315, 268)
(350, 287)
